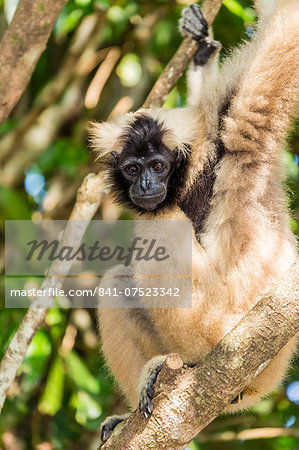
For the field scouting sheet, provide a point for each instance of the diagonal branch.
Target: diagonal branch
(188, 399)
(21, 46)
(89, 197)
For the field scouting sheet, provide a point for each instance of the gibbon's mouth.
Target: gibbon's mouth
(148, 202)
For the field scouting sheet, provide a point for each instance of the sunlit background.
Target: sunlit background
(102, 59)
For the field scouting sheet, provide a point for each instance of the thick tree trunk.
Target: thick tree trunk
(21, 46)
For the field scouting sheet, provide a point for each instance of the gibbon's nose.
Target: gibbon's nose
(144, 184)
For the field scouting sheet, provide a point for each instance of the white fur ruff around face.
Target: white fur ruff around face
(180, 124)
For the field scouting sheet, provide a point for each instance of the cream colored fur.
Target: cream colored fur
(246, 245)
(180, 127)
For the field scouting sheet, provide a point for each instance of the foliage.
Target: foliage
(63, 391)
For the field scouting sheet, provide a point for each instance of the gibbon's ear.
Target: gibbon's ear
(115, 156)
(104, 137)
(182, 125)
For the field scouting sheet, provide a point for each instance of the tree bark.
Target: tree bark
(21, 46)
(187, 400)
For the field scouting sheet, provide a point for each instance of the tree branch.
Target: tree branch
(188, 399)
(89, 197)
(21, 46)
(84, 44)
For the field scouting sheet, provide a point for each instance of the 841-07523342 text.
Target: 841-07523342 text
(140, 292)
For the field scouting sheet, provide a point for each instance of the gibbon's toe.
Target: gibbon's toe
(146, 406)
(109, 424)
(193, 23)
(105, 433)
(147, 391)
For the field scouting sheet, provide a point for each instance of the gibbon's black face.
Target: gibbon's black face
(147, 176)
(143, 174)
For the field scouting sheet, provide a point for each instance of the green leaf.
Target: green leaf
(117, 15)
(87, 408)
(13, 205)
(129, 70)
(294, 226)
(286, 443)
(173, 99)
(164, 33)
(54, 317)
(36, 359)
(8, 125)
(290, 164)
(51, 400)
(68, 19)
(193, 445)
(64, 154)
(246, 14)
(82, 2)
(80, 374)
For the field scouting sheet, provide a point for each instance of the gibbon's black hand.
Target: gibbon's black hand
(109, 424)
(194, 25)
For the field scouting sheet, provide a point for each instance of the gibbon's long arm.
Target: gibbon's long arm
(261, 111)
(197, 76)
(253, 134)
(204, 65)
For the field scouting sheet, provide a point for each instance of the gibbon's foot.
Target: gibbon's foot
(109, 424)
(238, 399)
(146, 386)
(194, 25)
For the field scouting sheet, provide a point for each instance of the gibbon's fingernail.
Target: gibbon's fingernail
(150, 407)
(150, 391)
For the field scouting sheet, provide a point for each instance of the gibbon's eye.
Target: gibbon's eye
(132, 169)
(158, 167)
